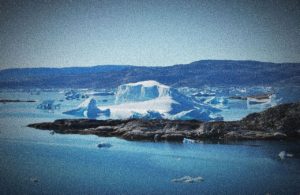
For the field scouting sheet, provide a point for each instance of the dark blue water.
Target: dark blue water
(134, 168)
(36, 162)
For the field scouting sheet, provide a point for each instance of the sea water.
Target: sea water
(37, 162)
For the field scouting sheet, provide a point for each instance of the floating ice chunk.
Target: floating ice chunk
(289, 155)
(284, 154)
(221, 101)
(88, 108)
(188, 179)
(48, 105)
(71, 95)
(188, 141)
(104, 93)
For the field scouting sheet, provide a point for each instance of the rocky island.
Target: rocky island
(279, 122)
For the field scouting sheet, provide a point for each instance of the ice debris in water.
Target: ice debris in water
(281, 155)
(89, 109)
(188, 179)
(188, 141)
(72, 95)
(289, 155)
(48, 105)
(284, 154)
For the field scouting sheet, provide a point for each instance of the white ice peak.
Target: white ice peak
(141, 91)
(150, 100)
(148, 83)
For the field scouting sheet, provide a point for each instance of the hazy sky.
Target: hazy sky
(143, 32)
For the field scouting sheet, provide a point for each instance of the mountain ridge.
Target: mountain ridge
(195, 74)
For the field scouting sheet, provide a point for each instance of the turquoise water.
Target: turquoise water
(73, 164)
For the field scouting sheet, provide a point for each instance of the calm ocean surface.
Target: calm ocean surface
(36, 162)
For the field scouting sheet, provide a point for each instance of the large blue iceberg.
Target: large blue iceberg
(148, 100)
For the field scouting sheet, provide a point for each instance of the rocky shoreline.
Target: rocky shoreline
(279, 122)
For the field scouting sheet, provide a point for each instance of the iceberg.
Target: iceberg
(188, 179)
(141, 91)
(148, 100)
(152, 100)
(283, 154)
(218, 102)
(72, 95)
(188, 141)
(88, 108)
(48, 105)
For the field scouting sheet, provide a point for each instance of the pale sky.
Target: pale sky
(36, 33)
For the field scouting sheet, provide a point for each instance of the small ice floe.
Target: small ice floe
(48, 105)
(72, 95)
(188, 141)
(188, 179)
(34, 179)
(104, 145)
(52, 132)
(284, 154)
(289, 155)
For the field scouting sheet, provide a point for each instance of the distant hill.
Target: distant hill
(196, 74)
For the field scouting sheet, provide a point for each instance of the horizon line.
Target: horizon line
(131, 65)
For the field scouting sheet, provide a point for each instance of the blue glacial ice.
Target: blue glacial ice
(148, 100)
(88, 108)
(151, 99)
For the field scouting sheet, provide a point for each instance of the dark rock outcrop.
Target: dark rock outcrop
(14, 101)
(280, 122)
(283, 118)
